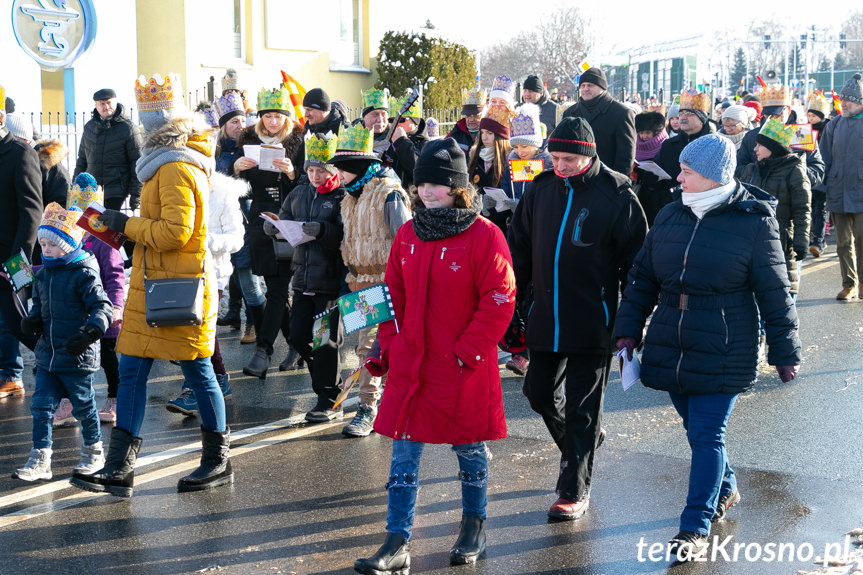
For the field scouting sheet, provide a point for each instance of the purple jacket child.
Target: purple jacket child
(113, 278)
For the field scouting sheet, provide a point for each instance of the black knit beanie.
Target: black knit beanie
(775, 147)
(441, 162)
(533, 83)
(573, 135)
(594, 76)
(318, 99)
(354, 166)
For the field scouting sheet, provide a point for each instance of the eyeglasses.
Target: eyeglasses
(403, 120)
(684, 114)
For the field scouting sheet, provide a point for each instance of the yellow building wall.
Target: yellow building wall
(52, 93)
(162, 41)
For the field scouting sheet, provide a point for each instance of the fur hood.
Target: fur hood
(51, 153)
(177, 131)
(225, 189)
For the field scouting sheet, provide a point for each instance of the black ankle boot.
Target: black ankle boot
(259, 363)
(118, 474)
(215, 468)
(393, 558)
(470, 544)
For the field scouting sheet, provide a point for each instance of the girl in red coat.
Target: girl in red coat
(453, 289)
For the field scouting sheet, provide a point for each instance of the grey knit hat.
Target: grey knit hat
(712, 156)
(20, 125)
(853, 89)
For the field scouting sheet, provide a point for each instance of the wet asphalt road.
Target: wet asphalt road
(307, 500)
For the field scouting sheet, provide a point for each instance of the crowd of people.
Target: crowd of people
(627, 217)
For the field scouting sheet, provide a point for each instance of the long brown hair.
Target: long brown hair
(502, 149)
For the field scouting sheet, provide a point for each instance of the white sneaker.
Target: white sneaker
(92, 459)
(38, 466)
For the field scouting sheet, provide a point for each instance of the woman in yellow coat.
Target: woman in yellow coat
(170, 234)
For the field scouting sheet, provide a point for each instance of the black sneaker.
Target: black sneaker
(725, 503)
(686, 545)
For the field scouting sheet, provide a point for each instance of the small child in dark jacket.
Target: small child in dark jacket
(70, 313)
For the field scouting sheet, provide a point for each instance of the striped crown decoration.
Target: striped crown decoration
(275, 99)
(84, 192)
(775, 95)
(473, 97)
(233, 102)
(158, 92)
(231, 80)
(776, 130)
(503, 84)
(415, 111)
(355, 141)
(376, 99)
(818, 103)
(321, 147)
(62, 222)
(695, 100)
(525, 124)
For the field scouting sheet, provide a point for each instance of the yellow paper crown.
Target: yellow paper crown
(775, 95)
(376, 99)
(818, 103)
(776, 130)
(355, 141)
(473, 97)
(499, 113)
(157, 92)
(81, 198)
(321, 147)
(63, 223)
(3, 96)
(695, 100)
(275, 99)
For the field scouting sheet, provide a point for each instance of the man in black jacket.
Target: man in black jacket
(466, 129)
(21, 197)
(574, 236)
(613, 123)
(533, 92)
(408, 140)
(321, 115)
(109, 149)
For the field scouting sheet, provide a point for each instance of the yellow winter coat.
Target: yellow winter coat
(173, 228)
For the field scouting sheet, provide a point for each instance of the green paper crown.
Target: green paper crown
(396, 104)
(320, 147)
(276, 99)
(354, 141)
(376, 99)
(776, 130)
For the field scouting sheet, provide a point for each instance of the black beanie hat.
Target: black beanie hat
(775, 147)
(441, 162)
(533, 83)
(358, 166)
(573, 135)
(318, 99)
(594, 76)
(104, 94)
(649, 121)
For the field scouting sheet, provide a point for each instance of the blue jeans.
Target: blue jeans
(51, 386)
(819, 219)
(250, 286)
(710, 475)
(403, 482)
(11, 365)
(132, 392)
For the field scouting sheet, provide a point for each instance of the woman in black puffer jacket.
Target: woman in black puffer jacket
(712, 261)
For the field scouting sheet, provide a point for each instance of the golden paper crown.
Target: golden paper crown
(776, 130)
(231, 80)
(657, 108)
(695, 100)
(157, 92)
(376, 99)
(355, 141)
(275, 99)
(473, 97)
(499, 113)
(775, 95)
(818, 103)
(3, 97)
(63, 223)
(321, 147)
(81, 198)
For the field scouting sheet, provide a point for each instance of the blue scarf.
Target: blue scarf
(71, 257)
(355, 188)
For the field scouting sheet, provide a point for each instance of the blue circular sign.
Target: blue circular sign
(54, 33)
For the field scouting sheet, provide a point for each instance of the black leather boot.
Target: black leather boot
(118, 474)
(470, 544)
(259, 363)
(393, 558)
(215, 468)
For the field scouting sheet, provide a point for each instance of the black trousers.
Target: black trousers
(568, 390)
(323, 362)
(110, 363)
(277, 313)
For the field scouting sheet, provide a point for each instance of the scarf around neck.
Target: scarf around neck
(355, 188)
(73, 256)
(702, 202)
(439, 223)
(486, 154)
(154, 158)
(648, 150)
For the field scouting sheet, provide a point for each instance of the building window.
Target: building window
(346, 51)
(226, 18)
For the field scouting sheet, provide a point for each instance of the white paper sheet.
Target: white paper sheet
(268, 154)
(630, 371)
(499, 196)
(653, 168)
(290, 230)
(252, 152)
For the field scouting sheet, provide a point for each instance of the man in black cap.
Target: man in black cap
(466, 129)
(613, 123)
(533, 92)
(110, 147)
(574, 235)
(321, 116)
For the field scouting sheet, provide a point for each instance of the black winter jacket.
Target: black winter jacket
(406, 151)
(20, 196)
(317, 265)
(729, 266)
(575, 239)
(462, 136)
(784, 178)
(55, 176)
(334, 122)
(746, 156)
(548, 114)
(68, 298)
(108, 151)
(613, 130)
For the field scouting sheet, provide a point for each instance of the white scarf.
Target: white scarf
(486, 154)
(269, 140)
(702, 202)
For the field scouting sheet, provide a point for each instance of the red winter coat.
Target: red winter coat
(453, 299)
